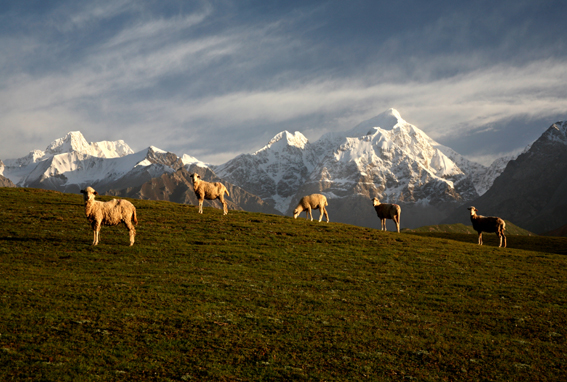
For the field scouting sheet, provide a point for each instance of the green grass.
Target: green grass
(253, 297)
(511, 229)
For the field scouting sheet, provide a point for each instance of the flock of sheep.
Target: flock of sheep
(118, 211)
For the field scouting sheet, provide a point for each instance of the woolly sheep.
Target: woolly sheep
(487, 224)
(312, 202)
(109, 213)
(211, 191)
(387, 211)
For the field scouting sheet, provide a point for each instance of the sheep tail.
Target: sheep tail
(134, 218)
(227, 194)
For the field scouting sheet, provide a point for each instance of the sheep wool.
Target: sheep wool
(312, 202)
(387, 211)
(109, 213)
(210, 191)
(488, 224)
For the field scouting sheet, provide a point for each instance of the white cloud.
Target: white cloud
(165, 84)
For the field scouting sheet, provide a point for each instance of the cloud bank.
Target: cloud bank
(216, 79)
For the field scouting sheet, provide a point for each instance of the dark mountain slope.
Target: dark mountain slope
(532, 190)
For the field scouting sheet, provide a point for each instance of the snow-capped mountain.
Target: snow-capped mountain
(483, 177)
(275, 171)
(70, 164)
(72, 143)
(384, 157)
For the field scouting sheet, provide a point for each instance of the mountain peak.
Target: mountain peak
(285, 137)
(386, 121)
(73, 141)
(557, 132)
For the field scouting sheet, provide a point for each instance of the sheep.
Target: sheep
(312, 202)
(211, 191)
(387, 211)
(487, 224)
(109, 213)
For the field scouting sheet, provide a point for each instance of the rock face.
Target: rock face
(532, 190)
(4, 182)
(385, 157)
(178, 187)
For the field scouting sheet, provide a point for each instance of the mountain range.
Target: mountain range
(384, 157)
(71, 163)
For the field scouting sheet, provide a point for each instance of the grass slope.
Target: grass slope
(254, 297)
(511, 229)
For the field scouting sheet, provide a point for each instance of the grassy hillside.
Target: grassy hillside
(511, 229)
(254, 297)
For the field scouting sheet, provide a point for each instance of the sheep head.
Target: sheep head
(195, 176)
(376, 202)
(89, 193)
(473, 210)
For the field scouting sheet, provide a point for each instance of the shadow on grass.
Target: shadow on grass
(22, 239)
(536, 243)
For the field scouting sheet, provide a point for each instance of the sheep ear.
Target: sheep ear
(96, 193)
(83, 192)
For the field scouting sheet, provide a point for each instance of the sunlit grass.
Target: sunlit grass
(262, 297)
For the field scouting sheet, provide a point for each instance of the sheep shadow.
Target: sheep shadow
(536, 243)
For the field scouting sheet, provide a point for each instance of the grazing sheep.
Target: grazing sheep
(211, 191)
(487, 224)
(387, 211)
(312, 202)
(109, 213)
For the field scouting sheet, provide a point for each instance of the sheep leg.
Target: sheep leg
(324, 211)
(309, 214)
(397, 221)
(480, 238)
(502, 236)
(224, 205)
(96, 230)
(200, 206)
(384, 228)
(131, 231)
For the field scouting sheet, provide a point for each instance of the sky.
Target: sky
(214, 79)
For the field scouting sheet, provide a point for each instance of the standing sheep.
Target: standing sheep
(387, 211)
(109, 213)
(211, 191)
(312, 202)
(487, 224)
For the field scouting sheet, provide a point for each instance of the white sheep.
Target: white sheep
(487, 224)
(211, 191)
(312, 202)
(109, 213)
(387, 211)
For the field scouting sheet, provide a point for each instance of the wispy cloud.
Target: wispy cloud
(70, 17)
(213, 86)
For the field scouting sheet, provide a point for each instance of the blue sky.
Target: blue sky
(214, 79)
